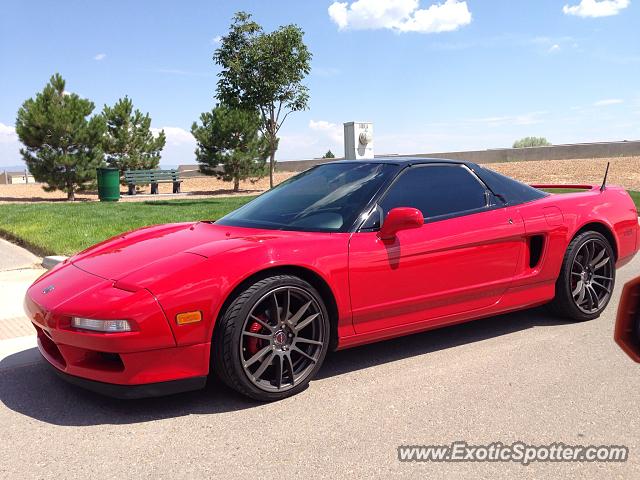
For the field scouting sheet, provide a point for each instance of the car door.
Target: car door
(462, 259)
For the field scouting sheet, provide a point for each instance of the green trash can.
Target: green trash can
(108, 184)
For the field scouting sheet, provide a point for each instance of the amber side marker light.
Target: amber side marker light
(188, 317)
(627, 332)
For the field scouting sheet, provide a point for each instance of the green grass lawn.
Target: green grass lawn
(67, 228)
(635, 196)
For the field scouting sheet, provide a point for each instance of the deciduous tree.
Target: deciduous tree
(263, 71)
(531, 142)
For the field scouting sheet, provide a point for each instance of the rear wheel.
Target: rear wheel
(272, 339)
(587, 278)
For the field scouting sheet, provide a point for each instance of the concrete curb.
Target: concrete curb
(52, 261)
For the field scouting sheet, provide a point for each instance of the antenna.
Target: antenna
(604, 182)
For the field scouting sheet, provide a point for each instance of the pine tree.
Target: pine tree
(329, 154)
(230, 146)
(61, 144)
(129, 143)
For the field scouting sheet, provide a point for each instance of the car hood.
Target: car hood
(146, 248)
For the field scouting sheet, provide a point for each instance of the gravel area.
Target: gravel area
(624, 171)
(198, 187)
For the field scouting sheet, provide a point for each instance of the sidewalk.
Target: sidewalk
(13, 285)
(18, 269)
(13, 257)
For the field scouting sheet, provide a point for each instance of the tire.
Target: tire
(269, 350)
(582, 291)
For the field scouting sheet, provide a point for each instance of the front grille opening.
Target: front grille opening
(109, 362)
(536, 243)
(49, 347)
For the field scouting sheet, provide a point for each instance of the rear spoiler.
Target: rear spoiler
(546, 186)
(578, 187)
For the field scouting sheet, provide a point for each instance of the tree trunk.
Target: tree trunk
(272, 161)
(236, 184)
(71, 194)
(273, 143)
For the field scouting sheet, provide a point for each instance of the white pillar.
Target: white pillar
(358, 140)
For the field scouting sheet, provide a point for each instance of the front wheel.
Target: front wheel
(587, 278)
(272, 339)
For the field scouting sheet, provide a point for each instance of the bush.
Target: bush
(531, 142)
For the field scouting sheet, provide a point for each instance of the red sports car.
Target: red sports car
(343, 254)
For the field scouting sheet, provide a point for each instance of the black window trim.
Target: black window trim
(490, 197)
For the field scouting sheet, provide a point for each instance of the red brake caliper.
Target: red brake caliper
(253, 342)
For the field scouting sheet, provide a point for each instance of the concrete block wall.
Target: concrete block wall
(554, 152)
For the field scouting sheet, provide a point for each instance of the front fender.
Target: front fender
(206, 285)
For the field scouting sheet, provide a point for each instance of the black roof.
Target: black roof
(511, 191)
(408, 161)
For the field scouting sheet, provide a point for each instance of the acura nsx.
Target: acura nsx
(343, 254)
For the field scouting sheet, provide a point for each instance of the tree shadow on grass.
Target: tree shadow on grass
(183, 198)
(33, 390)
(186, 203)
(227, 191)
(43, 200)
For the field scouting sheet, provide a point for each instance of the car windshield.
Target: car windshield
(327, 198)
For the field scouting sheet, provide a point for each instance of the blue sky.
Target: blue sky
(432, 76)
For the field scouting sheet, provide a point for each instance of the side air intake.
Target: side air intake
(536, 244)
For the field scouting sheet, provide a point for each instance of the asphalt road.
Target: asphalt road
(523, 376)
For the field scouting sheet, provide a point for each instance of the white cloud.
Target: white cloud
(608, 101)
(7, 134)
(9, 146)
(180, 146)
(100, 56)
(216, 40)
(333, 131)
(551, 44)
(596, 8)
(400, 15)
(313, 142)
(175, 135)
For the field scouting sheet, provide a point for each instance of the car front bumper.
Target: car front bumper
(143, 362)
(130, 392)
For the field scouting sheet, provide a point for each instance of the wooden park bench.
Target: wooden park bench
(153, 177)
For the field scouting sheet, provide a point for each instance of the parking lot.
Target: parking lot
(523, 376)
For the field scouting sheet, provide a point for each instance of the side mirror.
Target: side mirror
(402, 218)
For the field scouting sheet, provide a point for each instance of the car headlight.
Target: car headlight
(107, 326)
